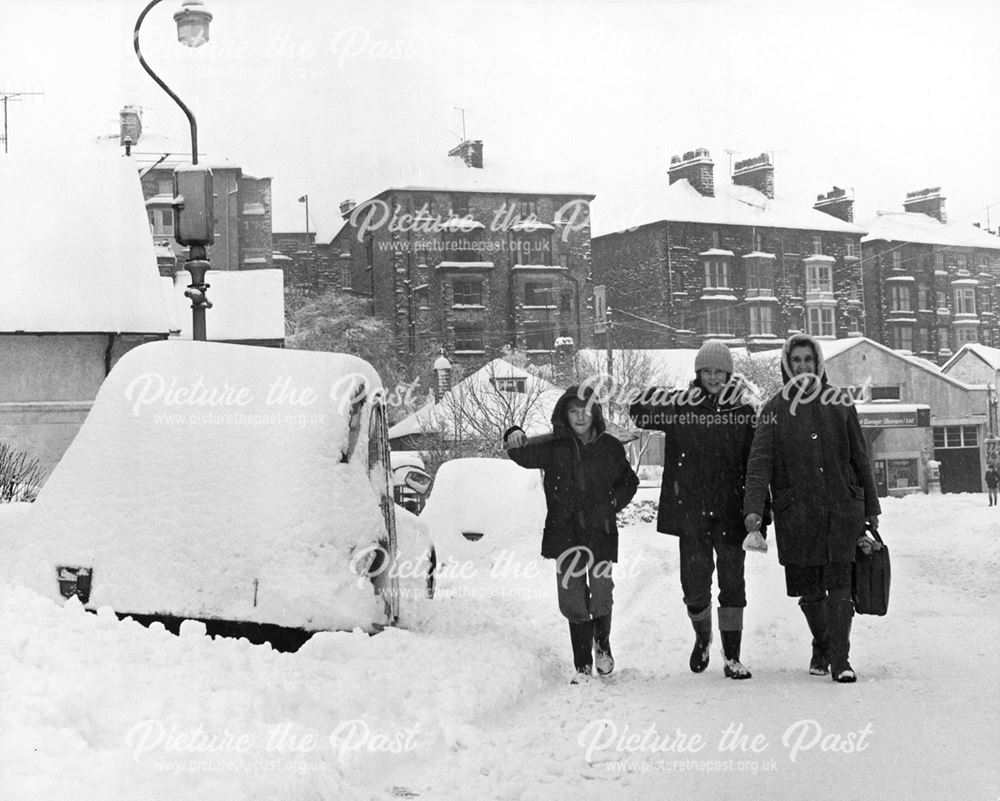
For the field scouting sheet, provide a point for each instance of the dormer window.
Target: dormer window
(509, 384)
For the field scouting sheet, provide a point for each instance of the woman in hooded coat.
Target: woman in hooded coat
(809, 453)
(587, 480)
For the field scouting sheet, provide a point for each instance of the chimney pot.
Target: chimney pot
(757, 173)
(697, 167)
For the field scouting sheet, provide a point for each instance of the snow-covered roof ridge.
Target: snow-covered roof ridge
(731, 205)
(991, 356)
(836, 347)
(77, 266)
(437, 415)
(910, 226)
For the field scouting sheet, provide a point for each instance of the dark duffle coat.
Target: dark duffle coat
(585, 485)
(706, 447)
(810, 452)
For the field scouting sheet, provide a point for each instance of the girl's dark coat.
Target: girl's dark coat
(585, 485)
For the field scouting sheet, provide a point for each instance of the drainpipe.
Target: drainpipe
(107, 353)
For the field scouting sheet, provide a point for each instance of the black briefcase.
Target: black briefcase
(872, 574)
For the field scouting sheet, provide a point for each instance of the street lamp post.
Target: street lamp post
(309, 251)
(193, 196)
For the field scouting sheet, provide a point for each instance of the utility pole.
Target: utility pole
(6, 96)
(607, 343)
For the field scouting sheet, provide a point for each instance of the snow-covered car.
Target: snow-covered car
(416, 556)
(478, 505)
(410, 480)
(224, 483)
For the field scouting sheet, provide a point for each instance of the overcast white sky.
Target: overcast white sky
(329, 97)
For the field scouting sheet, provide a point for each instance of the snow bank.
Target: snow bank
(473, 702)
(208, 481)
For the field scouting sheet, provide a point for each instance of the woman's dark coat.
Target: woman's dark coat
(706, 446)
(810, 453)
(585, 484)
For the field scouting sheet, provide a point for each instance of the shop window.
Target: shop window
(956, 437)
(902, 473)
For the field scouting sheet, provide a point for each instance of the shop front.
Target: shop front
(899, 445)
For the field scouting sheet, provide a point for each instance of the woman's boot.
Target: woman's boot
(841, 613)
(815, 611)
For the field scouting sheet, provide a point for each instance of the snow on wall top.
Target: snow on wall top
(732, 205)
(205, 482)
(246, 304)
(75, 248)
(909, 226)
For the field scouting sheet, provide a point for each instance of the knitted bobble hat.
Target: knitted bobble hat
(714, 355)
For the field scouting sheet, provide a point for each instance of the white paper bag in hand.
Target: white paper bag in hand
(755, 542)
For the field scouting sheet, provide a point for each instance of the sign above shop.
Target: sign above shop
(895, 415)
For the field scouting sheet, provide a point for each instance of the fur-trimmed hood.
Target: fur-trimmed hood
(786, 354)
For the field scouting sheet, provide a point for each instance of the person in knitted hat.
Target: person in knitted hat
(587, 480)
(708, 429)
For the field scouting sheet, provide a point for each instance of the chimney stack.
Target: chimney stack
(443, 369)
(837, 203)
(757, 173)
(346, 207)
(470, 151)
(129, 125)
(697, 167)
(928, 201)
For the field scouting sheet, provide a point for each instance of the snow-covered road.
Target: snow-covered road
(470, 699)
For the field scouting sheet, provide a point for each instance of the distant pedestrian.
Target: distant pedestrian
(992, 480)
(587, 480)
(708, 430)
(809, 453)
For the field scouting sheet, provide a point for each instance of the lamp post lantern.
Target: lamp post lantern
(193, 196)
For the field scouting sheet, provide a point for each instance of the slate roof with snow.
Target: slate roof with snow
(732, 205)
(451, 174)
(77, 261)
(908, 226)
